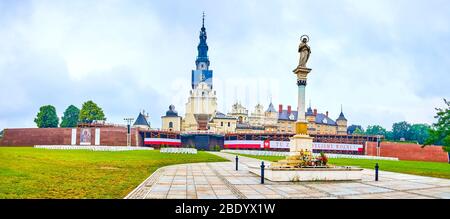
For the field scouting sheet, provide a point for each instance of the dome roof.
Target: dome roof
(172, 112)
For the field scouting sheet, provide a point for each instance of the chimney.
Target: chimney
(315, 112)
(327, 113)
(280, 108)
(289, 110)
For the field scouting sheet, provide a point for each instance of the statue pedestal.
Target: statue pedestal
(302, 72)
(300, 143)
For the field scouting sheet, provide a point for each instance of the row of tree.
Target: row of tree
(90, 112)
(438, 133)
(400, 131)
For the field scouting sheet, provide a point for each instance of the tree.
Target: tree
(389, 135)
(440, 131)
(70, 117)
(419, 132)
(401, 130)
(46, 117)
(375, 130)
(358, 131)
(91, 112)
(352, 128)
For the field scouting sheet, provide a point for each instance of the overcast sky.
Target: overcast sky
(384, 60)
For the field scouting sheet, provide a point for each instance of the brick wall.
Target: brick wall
(35, 136)
(117, 136)
(408, 151)
(113, 136)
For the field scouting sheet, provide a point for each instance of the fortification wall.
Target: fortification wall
(110, 136)
(405, 151)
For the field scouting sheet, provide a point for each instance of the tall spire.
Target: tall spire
(309, 111)
(203, 23)
(203, 46)
(341, 116)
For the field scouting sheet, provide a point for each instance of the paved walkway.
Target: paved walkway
(221, 181)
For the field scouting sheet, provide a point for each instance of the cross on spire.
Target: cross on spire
(203, 19)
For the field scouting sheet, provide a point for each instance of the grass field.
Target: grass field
(433, 169)
(41, 173)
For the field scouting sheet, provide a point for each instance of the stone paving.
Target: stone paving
(222, 181)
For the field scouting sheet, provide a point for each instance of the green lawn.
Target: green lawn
(41, 173)
(433, 169)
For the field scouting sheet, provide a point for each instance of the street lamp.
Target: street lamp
(128, 121)
(378, 144)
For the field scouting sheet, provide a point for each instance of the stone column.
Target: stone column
(301, 124)
(301, 141)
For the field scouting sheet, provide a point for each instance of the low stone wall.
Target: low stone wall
(406, 151)
(93, 148)
(178, 150)
(284, 154)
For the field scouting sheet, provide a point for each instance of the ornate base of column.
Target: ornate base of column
(301, 128)
(300, 153)
(300, 143)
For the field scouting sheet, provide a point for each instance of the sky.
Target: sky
(384, 61)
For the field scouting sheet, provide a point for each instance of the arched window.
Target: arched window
(170, 125)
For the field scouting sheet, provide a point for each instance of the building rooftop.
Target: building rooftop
(141, 120)
(309, 112)
(341, 117)
(220, 115)
(319, 119)
(324, 119)
(283, 115)
(171, 112)
(248, 126)
(271, 108)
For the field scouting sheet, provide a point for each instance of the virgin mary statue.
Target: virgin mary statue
(304, 51)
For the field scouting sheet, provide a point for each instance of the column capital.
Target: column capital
(301, 82)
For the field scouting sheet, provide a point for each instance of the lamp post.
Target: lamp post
(378, 145)
(128, 121)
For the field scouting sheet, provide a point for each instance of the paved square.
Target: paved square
(222, 181)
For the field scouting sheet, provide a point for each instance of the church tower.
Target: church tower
(202, 72)
(202, 103)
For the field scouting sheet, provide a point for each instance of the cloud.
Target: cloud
(385, 61)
